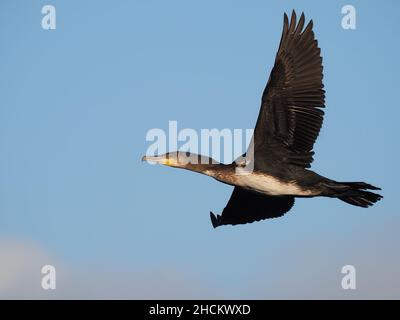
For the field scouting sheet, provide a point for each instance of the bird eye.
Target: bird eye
(187, 153)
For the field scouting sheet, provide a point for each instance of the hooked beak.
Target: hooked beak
(156, 159)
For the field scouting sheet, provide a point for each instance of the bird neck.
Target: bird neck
(218, 171)
(207, 169)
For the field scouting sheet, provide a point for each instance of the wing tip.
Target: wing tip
(293, 21)
(215, 219)
(285, 19)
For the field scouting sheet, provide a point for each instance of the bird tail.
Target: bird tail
(355, 193)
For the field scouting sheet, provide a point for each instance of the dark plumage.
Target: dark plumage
(291, 117)
(281, 150)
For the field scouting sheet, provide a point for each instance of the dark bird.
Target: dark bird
(281, 150)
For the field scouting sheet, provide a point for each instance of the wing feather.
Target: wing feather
(290, 117)
(246, 206)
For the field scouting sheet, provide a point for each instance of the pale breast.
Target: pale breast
(269, 185)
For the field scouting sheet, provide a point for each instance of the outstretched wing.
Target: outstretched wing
(246, 206)
(290, 117)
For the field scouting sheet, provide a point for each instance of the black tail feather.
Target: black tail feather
(361, 198)
(360, 185)
(355, 193)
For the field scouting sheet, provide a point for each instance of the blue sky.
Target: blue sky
(76, 104)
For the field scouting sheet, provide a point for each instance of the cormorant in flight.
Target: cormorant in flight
(288, 124)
